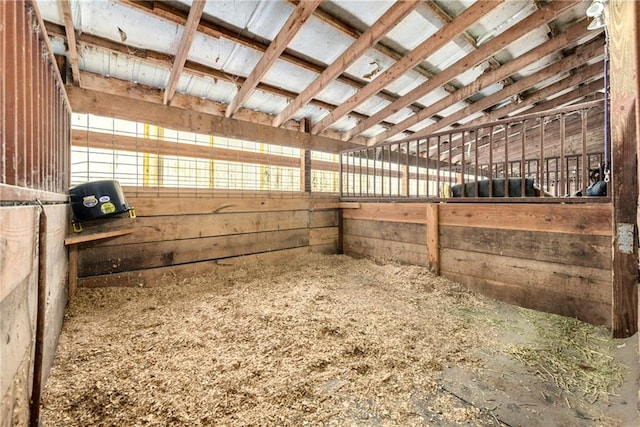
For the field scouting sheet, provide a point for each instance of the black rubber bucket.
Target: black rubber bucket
(97, 199)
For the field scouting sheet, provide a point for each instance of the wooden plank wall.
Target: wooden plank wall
(18, 300)
(179, 237)
(386, 232)
(553, 258)
(34, 177)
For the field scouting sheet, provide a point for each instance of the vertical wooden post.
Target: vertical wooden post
(623, 29)
(305, 160)
(38, 384)
(73, 270)
(433, 239)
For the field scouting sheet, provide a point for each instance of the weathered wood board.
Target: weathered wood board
(554, 258)
(191, 235)
(18, 299)
(174, 274)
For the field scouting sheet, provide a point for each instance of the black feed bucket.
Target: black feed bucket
(97, 199)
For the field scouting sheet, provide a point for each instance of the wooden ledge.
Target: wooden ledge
(80, 238)
(349, 205)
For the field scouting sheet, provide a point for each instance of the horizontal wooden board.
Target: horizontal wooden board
(324, 236)
(547, 300)
(562, 248)
(323, 218)
(589, 283)
(109, 141)
(385, 250)
(21, 194)
(178, 227)
(92, 235)
(593, 219)
(136, 256)
(385, 230)
(18, 246)
(155, 206)
(392, 212)
(176, 274)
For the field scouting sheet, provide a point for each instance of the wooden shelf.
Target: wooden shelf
(81, 238)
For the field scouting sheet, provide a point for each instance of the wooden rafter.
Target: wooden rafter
(592, 50)
(280, 42)
(118, 87)
(368, 39)
(533, 21)
(575, 79)
(485, 80)
(417, 55)
(165, 60)
(190, 28)
(215, 28)
(346, 28)
(582, 74)
(588, 89)
(71, 40)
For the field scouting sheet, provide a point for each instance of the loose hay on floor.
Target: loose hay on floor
(318, 340)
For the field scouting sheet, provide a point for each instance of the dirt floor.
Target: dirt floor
(329, 340)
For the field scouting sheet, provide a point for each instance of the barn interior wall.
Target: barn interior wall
(33, 209)
(553, 258)
(178, 237)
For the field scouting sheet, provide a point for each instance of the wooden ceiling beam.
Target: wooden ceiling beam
(575, 79)
(278, 45)
(572, 144)
(218, 29)
(113, 86)
(410, 60)
(197, 69)
(368, 39)
(70, 33)
(126, 108)
(347, 29)
(487, 79)
(579, 58)
(528, 24)
(190, 28)
(574, 95)
(581, 75)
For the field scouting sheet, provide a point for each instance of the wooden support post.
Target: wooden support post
(305, 160)
(433, 239)
(73, 270)
(41, 311)
(623, 29)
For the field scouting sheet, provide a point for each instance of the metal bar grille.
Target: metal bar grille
(530, 155)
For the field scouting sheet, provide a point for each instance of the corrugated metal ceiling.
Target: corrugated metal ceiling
(141, 29)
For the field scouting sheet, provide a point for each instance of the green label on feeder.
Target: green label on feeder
(108, 208)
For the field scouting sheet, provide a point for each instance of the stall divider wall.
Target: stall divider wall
(552, 258)
(34, 213)
(179, 237)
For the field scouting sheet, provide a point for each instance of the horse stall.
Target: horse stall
(498, 207)
(297, 259)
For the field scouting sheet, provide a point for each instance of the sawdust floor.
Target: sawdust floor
(328, 340)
